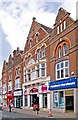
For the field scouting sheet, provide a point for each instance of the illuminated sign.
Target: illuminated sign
(63, 84)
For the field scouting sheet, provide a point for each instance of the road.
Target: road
(5, 115)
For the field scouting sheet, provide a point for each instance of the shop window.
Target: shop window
(45, 100)
(58, 99)
(61, 99)
(62, 69)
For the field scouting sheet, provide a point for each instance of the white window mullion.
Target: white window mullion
(57, 29)
(61, 27)
(64, 25)
(64, 69)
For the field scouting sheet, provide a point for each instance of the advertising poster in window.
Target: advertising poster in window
(55, 96)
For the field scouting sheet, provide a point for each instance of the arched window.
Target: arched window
(38, 54)
(64, 49)
(43, 51)
(60, 52)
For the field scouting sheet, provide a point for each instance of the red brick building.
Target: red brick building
(47, 69)
(12, 78)
(36, 66)
(63, 63)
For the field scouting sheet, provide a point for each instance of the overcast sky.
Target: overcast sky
(16, 18)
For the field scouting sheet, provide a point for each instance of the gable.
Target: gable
(61, 14)
(35, 28)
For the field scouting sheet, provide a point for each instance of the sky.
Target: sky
(16, 18)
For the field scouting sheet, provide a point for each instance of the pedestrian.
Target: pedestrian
(10, 108)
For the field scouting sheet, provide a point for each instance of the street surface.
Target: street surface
(19, 116)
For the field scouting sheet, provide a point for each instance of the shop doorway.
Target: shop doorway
(34, 99)
(17, 102)
(69, 103)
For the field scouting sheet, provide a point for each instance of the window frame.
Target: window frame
(43, 51)
(38, 54)
(64, 49)
(59, 52)
(64, 68)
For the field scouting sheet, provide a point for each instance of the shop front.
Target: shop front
(10, 97)
(34, 98)
(18, 98)
(63, 94)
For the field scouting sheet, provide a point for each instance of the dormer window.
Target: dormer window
(61, 27)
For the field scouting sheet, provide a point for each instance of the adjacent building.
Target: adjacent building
(36, 71)
(47, 69)
(64, 63)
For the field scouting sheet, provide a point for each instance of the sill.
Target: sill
(62, 78)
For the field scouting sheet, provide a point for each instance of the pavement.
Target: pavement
(45, 113)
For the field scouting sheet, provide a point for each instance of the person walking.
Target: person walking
(10, 106)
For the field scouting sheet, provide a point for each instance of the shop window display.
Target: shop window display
(58, 99)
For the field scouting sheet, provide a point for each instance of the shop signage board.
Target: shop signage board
(34, 90)
(18, 93)
(10, 95)
(63, 84)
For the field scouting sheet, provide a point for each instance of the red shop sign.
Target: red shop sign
(33, 90)
(10, 95)
(44, 88)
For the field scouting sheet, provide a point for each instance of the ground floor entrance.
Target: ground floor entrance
(63, 100)
(69, 100)
(18, 102)
(34, 99)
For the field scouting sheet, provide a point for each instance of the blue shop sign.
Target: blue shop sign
(63, 84)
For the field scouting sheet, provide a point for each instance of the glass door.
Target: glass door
(69, 102)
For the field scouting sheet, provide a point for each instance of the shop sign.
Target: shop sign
(18, 93)
(34, 90)
(10, 95)
(44, 88)
(63, 84)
